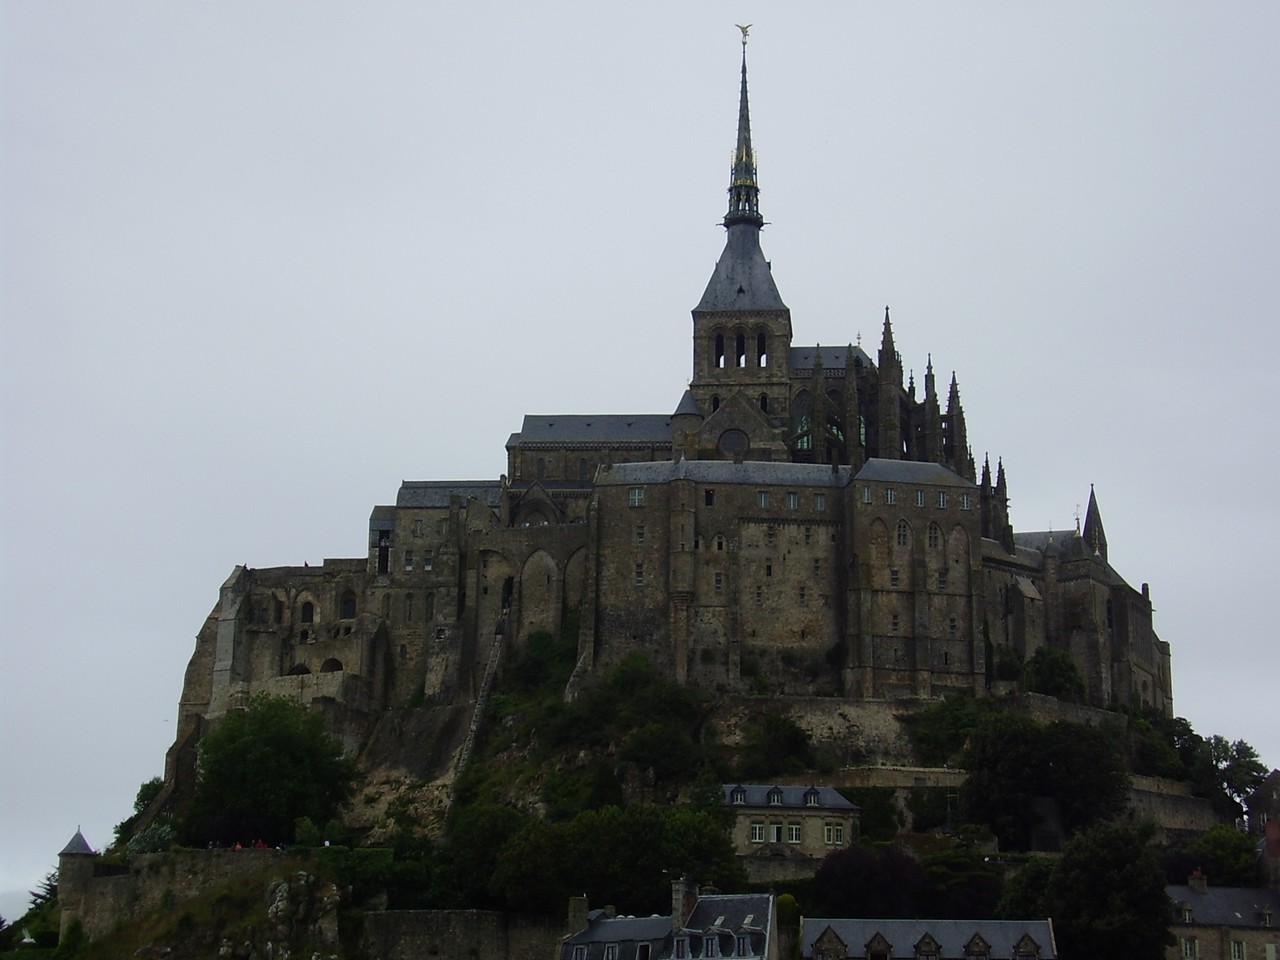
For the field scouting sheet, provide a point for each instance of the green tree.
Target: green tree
(1226, 856)
(1052, 672)
(1013, 761)
(1107, 896)
(263, 768)
(1239, 770)
(863, 881)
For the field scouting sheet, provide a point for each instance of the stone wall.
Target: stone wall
(161, 880)
(475, 934)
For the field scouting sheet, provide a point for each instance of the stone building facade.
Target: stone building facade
(804, 523)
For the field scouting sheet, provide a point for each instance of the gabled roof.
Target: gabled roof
(757, 795)
(438, 493)
(594, 428)
(912, 471)
(727, 472)
(951, 935)
(1224, 906)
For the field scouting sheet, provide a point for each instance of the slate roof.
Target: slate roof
(77, 844)
(757, 795)
(437, 493)
(742, 280)
(687, 405)
(727, 472)
(911, 471)
(749, 914)
(951, 935)
(1224, 906)
(594, 428)
(801, 358)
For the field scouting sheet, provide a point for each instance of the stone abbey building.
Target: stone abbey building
(802, 524)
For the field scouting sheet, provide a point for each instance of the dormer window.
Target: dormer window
(811, 798)
(680, 949)
(742, 946)
(1186, 914)
(738, 796)
(579, 951)
(775, 797)
(709, 947)
(610, 951)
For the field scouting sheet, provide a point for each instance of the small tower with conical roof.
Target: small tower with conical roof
(75, 873)
(1094, 536)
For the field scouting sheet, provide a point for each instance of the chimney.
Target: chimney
(577, 914)
(1198, 882)
(684, 897)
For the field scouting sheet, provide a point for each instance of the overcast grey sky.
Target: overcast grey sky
(261, 261)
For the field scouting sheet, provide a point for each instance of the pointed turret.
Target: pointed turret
(1093, 534)
(889, 427)
(856, 454)
(957, 451)
(888, 354)
(934, 445)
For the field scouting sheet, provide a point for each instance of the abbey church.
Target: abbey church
(801, 524)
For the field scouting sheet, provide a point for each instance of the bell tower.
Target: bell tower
(741, 327)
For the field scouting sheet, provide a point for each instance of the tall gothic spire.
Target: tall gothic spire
(742, 280)
(744, 191)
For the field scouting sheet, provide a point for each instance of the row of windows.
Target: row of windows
(941, 499)
(719, 358)
(953, 629)
(832, 833)
(895, 578)
(428, 560)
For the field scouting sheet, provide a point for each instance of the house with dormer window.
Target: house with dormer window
(1223, 923)
(782, 832)
(700, 927)
(832, 939)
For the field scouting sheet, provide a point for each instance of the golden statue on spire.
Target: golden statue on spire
(744, 28)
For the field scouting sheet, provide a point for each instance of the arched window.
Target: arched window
(715, 402)
(762, 350)
(740, 350)
(935, 536)
(298, 670)
(764, 402)
(718, 359)
(308, 612)
(332, 665)
(904, 533)
(348, 606)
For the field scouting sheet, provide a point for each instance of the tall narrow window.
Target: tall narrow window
(903, 533)
(639, 574)
(639, 534)
(308, 612)
(919, 498)
(894, 577)
(866, 494)
(709, 498)
(793, 500)
(762, 499)
(819, 502)
(408, 561)
(935, 536)
(762, 350)
(740, 350)
(635, 496)
(764, 403)
(890, 496)
(584, 472)
(408, 608)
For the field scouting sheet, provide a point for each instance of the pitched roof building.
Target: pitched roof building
(823, 939)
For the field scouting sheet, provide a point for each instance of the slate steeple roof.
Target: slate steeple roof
(742, 280)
